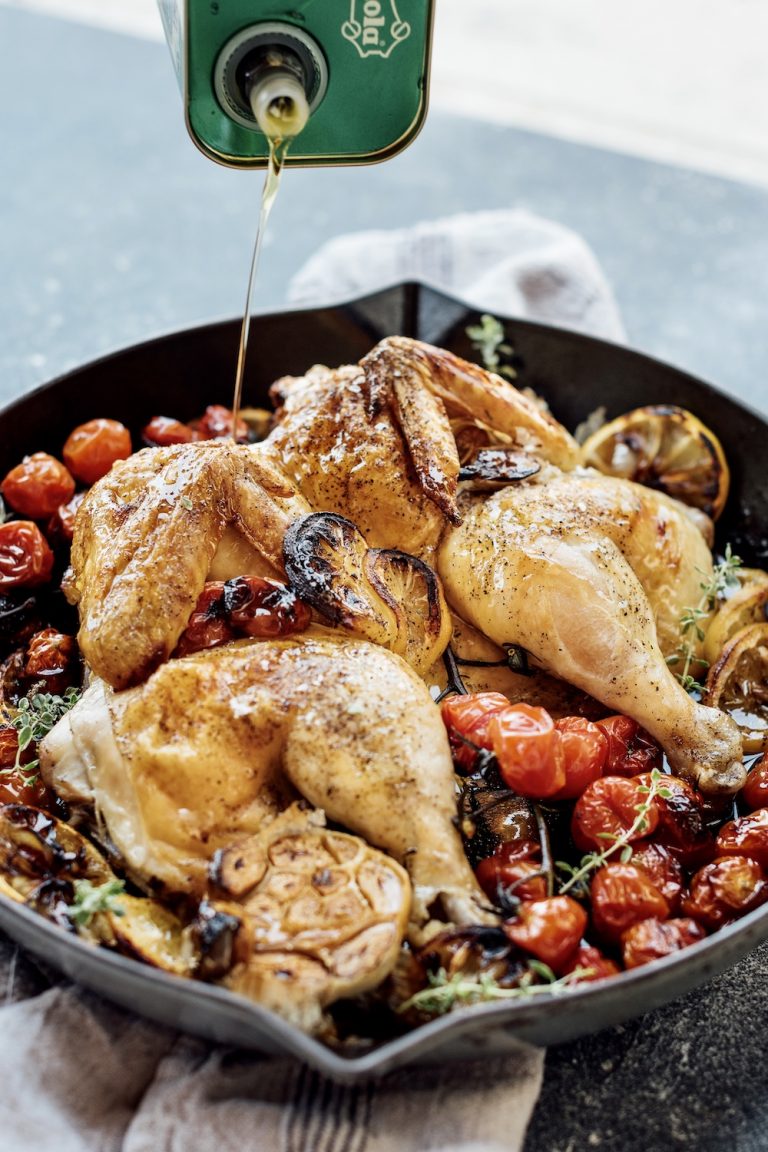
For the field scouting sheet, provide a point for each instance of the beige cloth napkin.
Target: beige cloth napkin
(78, 1075)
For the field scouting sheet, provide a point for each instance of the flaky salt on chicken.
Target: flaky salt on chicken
(590, 575)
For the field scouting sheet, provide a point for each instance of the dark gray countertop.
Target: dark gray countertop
(114, 228)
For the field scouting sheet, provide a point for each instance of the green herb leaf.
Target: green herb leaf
(489, 339)
(91, 899)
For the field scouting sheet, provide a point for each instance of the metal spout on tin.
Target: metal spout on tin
(276, 88)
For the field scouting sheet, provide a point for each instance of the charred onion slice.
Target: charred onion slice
(749, 605)
(384, 595)
(738, 684)
(494, 467)
(667, 448)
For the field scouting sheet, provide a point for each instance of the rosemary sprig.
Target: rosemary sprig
(621, 842)
(724, 576)
(33, 721)
(90, 899)
(447, 992)
(489, 338)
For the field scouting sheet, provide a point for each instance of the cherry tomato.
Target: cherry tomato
(216, 424)
(609, 808)
(512, 873)
(596, 966)
(19, 787)
(724, 890)
(49, 653)
(651, 939)
(527, 747)
(92, 448)
(37, 486)
(467, 719)
(163, 430)
(264, 608)
(747, 836)
(9, 745)
(25, 558)
(682, 827)
(621, 895)
(549, 929)
(664, 870)
(755, 791)
(585, 749)
(61, 526)
(208, 626)
(631, 749)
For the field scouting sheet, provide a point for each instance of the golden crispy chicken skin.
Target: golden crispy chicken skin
(213, 746)
(591, 574)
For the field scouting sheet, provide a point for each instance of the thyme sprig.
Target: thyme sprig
(90, 899)
(724, 576)
(620, 843)
(490, 340)
(447, 992)
(33, 721)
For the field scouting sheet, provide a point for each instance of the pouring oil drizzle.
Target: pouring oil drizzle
(281, 111)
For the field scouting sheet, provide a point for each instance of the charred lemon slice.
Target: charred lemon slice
(748, 605)
(666, 448)
(738, 685)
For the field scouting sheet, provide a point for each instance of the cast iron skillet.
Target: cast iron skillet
(178, 375)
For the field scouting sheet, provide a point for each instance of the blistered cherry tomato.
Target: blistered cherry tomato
(92, 448)
(585, 748)
(724, 890)
(9, 745)
(61, 526)
(163, 431)
(25, 558)
(593, 964)
(467, 719)
(747, 836)
(651, 939)
(527, 747)
(621, 895)
(755, 791)
(549, 929)
(216, 424)
(609, 808)
(682, 827)
(512, 873)
(37, 486)
(208, 626)
(631, 749)
(664, 870)
(20, 787)
(264, 608)
(49, 653)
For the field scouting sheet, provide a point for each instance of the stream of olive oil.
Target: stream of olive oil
(277, 151)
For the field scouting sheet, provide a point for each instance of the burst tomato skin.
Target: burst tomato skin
(467, 719)
(163, 431)
(25, 557)
(649, 940)
(608, 808)
(631, 749)
(264, 608)
(49, 653)
(596, 966)
(585, 750)
(664, 870)
(527, 747)
(216, 424)
(682, 826)
(207, 626)
(549, 929)
(755, 791)
(92, 448)
(724, 890)
(747, 836)
(621, 895)
(36, 487)
(514, 870)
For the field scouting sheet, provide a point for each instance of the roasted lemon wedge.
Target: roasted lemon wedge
(748, 605)
(738, 685)
(666, 448)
